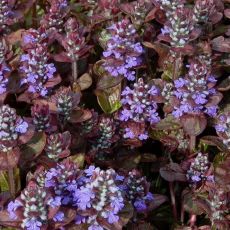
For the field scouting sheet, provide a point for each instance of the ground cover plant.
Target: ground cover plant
(114, 114)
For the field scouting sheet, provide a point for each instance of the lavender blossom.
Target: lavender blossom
(122, 52)
(102, 195)
(136, 189)
(139, 105)
(198, 169)
(194, 92)
(59, 217)
(12, 207)
(62, 182)
(34, 65)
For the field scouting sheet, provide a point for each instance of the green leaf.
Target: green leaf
(106, 105)
(4, 185)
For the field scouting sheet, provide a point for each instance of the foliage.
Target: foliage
(114, 114)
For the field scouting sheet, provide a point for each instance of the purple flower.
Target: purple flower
(117, 204)
(220, 128)
(90, 170)
(165, 30)
(210, 178)
(80, 219)
(200, 99)
(140, 205)
(59, 217)
(212, 79)
(112, 218)
(125, 115)
(143, 136)
(28, 39)
(149, 196)
(55, 202)
(83, 197)
(12, 207)
(95, 227)
(195, 178)
(180, 82)
(33, 224)
(211, 111)
(128, 133)
(22, 126)
(119, 177)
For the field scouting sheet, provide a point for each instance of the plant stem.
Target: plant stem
(74, 70)
(192, 143)
(11, 181)
(182, 211)
(173, 200)
(176, 67)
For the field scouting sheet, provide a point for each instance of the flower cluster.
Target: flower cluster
(139, 104)
(180, 137)
(4, 72)
(4, 68)
(32, 201)
(53, 20)
(97, 195)
(41, 116)
(11, 126)
(34, 63)
(223, 127)
(6, 14)
(106, 130)
(57, 145)
(88, 127)
(195, 91)
(180, 27)
(75, 41)
(218, 203)
(91, 191)
(62, 182)
(123, 52)
(198, 169)
(167, 92)
(136, 189)
(66, 101)
(202, 10)
(179, 23)
(170, 6)
(101, 195)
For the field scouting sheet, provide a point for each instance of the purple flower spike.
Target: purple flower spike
(123, 52)
(194, 92)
